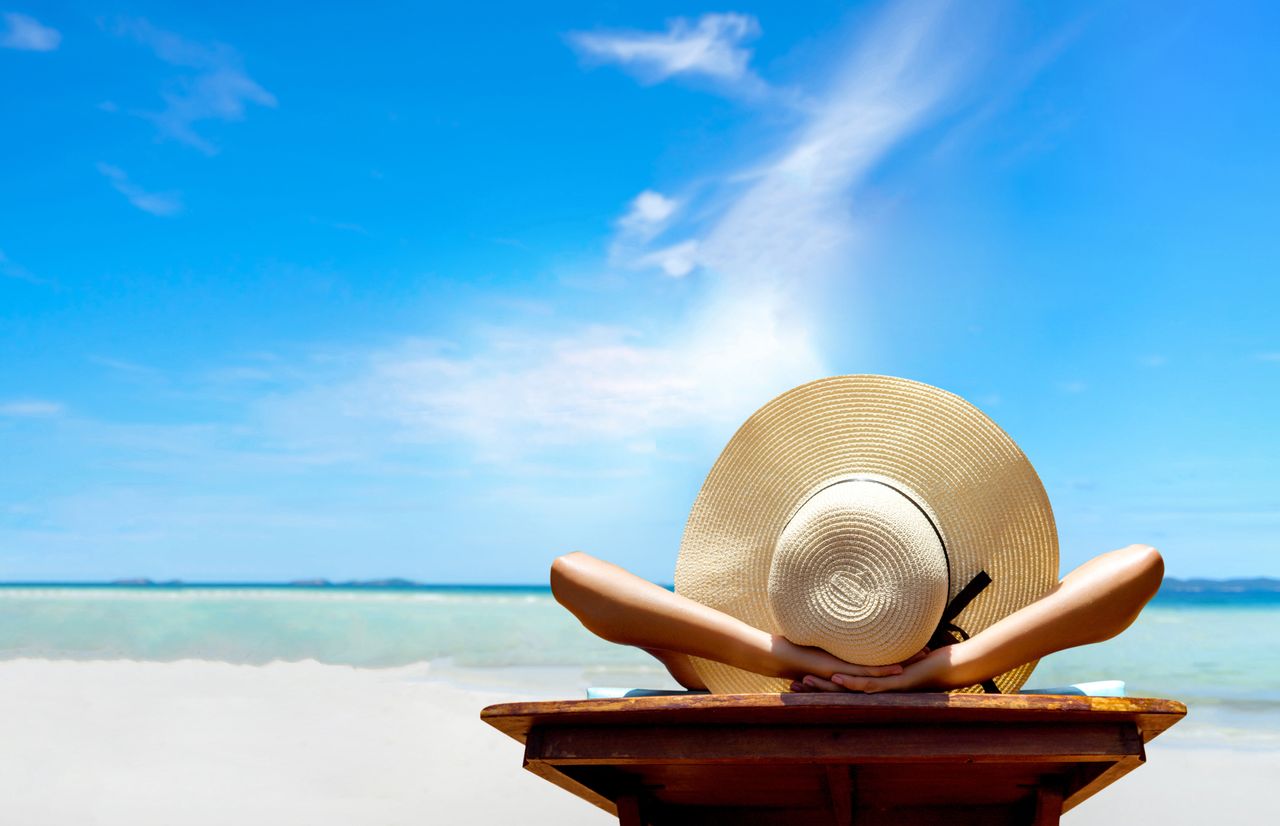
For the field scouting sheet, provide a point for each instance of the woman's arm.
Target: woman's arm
(1093, 603)
(623, 608)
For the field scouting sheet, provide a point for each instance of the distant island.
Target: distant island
(312, 582)
(1252, 585)
(1195, 590)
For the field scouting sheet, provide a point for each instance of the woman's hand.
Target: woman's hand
(927, 669)
(1093, 603)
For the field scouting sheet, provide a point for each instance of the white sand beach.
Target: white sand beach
(138, 743)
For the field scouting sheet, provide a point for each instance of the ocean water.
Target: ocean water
(1218, 654)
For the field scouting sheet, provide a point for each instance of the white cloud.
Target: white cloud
(156, 203)
(647, 214)
(677, 260)
(796, 221)
(765, 242)
(793, 223)
(712, 48)
(27, 34)
(30, 409)
(520, 392)
(219, 89)
(1268, 356)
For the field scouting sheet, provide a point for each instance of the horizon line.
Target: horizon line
(404, 583)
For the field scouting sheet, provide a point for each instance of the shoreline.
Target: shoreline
(197, 741)
(1238, 725)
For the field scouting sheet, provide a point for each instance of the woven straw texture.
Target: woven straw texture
(860, 571)
(978, 487)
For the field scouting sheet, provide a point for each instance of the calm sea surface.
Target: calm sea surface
(1219, 654)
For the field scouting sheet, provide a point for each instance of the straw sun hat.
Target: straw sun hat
(869, 516)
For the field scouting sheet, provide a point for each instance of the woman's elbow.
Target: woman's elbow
(571, 579)
(563, 575)
(1147, 569)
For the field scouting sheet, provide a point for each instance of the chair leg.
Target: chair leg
(840, 792)
(1048, 802)
(628, 810)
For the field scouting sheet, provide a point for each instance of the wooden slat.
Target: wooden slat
(1152, 716)
(553, 775)
(1105, 778)
(840, 790)
(740, 816)
(969, 784)
(730, 816)
(1039, 742)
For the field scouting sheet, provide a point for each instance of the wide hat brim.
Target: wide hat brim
(986, 497)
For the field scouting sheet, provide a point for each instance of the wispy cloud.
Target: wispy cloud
(27, 34)
(797, 220)
(31, 409)
(520, 392)
(765, 241)
(125, 368)
(790, 218)
(677, 260)
(157, 203)
(218, 88)
(1268, 356)
(647, 216)
(710, 48)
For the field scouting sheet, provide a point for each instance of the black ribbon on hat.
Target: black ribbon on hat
(948, 633)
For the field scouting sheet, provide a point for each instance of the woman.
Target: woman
(1093, 603)
(849, 518)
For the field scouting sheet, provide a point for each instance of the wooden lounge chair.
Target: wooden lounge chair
(835, 758)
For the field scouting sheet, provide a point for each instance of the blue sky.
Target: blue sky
(303, 290)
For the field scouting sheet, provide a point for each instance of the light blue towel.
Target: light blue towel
(1098, 688)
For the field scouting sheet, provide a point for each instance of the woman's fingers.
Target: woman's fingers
(818, 684)
(843, 682)
(867, 684)
(852, 678)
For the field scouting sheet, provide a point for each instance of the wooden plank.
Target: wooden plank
(741, 816)
(949, 815)
(720, 784)
(1151, 715)
(840, 790)
(930, 816)
(587, 745)
(942, 784)
(553, 775)
(1103, 779)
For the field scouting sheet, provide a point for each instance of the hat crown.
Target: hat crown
(860, 569)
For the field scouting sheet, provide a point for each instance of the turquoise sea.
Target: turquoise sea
(1218, 653)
